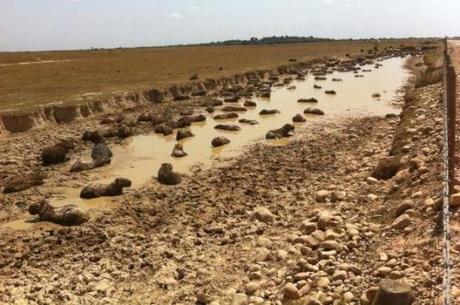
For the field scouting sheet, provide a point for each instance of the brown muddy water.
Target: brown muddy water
(138, 158)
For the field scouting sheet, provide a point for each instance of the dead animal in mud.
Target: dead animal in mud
(392, 291)
(146, 117)
(376, 95)
(23, 182)
(307, 100)
(248, 121)
(80, 166)
(331, 92)
(286, 131)
(101, 153)
(68, 215)
(115, 119)
(336, 79)
(291, 87)
(121, 132)
(232, 99)
(228, 127)
(219, 141)
(186, 112)
(184, 133)
(92, 136)
(248, 103)
(359, 75)
(167, 176)
(320, 78)
(298, 118)
(163, 129)
(317, 87)
(367, 70)
(265, 94)
(115, 188)
(269, 111)
(386, 169)
(311, 110)
(57, 153)
(234, 109)
(225, 116)
(178, 151)
(212, 102)
(195, 118)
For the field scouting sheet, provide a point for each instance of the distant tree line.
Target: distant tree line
(269, 40)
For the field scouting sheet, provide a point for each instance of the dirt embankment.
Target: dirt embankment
(36, 112)
(304, 223)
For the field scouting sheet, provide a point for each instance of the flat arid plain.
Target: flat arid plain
(299, 174)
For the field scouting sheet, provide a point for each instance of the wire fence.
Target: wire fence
(449, 103)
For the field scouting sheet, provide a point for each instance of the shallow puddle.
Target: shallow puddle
(140, 157)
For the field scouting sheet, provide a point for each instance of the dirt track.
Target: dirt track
(303, 223)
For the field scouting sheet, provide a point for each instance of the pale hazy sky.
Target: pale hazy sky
(75, 24)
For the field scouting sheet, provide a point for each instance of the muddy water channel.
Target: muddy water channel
(138, 158)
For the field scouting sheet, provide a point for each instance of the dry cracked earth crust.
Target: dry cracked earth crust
(303, 223)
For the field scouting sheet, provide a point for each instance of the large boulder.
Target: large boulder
(69, 215)
(115, 188)
(167, 176)
(23, 182)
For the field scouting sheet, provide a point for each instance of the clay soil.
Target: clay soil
(81, 76)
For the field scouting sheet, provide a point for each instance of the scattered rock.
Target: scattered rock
(401, 222)
(263, 214)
